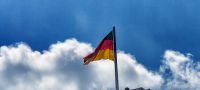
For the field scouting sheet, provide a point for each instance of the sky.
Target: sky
(155, 39)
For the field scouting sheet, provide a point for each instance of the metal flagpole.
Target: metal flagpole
(115, 55)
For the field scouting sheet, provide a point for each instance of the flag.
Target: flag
(105, 50)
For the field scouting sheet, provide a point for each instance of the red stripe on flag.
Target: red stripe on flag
(106, 44)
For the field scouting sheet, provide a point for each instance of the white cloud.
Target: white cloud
(184, 73)
(61, 68)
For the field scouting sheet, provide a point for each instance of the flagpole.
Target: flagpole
(116, 68)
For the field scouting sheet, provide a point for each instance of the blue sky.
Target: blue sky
(145, 28)
(154, 38)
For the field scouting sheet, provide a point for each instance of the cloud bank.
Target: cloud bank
(181, 71)
(61, 68)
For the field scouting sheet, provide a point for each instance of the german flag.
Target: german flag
(105, 50)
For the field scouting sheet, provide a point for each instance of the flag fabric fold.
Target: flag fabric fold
(105, 50)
